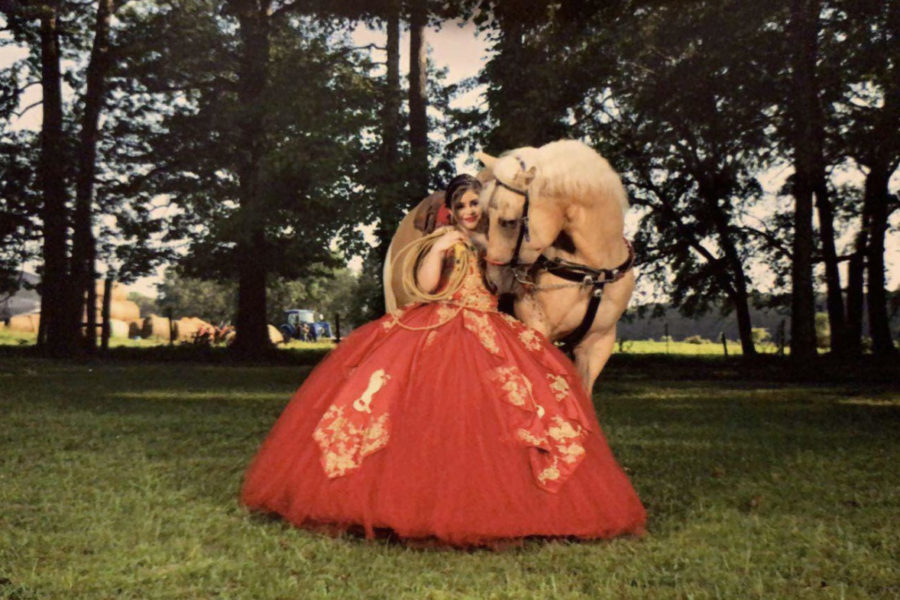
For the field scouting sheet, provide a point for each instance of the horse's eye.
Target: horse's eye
(507, 223)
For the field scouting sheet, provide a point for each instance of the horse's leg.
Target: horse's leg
(528, 310)
(592, 354)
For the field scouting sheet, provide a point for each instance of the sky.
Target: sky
(463, 52)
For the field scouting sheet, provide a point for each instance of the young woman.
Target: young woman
(447, 420)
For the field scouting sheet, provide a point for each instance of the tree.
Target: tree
(54, 336)
(870, 111)
(263, 167)
(82, 291)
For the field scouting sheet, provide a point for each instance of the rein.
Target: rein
(581, 276)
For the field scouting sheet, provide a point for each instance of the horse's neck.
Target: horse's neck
(596, 235)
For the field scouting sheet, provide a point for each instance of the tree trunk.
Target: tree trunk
(418, 119)
(836, 318)
(802, 104)
(107, 304)
(738, 280)
(390, 208)
(82, 270)
(855, 282)
(252, 337)
(879, 321)
(55, 337)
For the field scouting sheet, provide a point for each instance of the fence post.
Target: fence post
(724, 343)
(666, 336)
(337, 328)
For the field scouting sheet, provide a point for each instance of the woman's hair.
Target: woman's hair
(458, 186)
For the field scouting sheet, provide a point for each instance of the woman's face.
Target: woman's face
(467, 210)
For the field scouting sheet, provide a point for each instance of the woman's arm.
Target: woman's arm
(428, 273)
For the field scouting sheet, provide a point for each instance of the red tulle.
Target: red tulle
(470, 430)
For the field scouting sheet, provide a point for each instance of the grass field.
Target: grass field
(119, 480)
(706, 348)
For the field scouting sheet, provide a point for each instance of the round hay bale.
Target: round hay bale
(157, 327)
(187, 328)
(118, 328)
(119, 293)
(275, 336)
(124, 310)
(25, 323)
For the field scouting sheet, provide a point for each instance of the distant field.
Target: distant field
(689, 349)
(628, 347)
(10, 338)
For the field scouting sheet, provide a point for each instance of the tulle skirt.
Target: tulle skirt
(448, 424)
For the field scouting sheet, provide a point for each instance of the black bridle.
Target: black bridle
(524, 233)
(590, 278)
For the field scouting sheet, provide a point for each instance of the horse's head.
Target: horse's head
(521, 223)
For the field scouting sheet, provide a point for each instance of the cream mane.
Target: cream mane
(566, 168)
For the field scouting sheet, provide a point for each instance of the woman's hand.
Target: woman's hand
(428, 274)
(446, 241)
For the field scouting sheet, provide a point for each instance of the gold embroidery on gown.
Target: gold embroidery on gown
(346, 439)
(480, 325)
(530, 339)
(558, 385)
(516, 387)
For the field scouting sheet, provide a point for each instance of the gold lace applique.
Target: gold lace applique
(526, 436)
(562, 430)
(571, 453)
(514, 322)
(558, 385)
(445, 312)
(376, 381)
(472, 292)
(480, 325)
(375, 437)
(530, 339)
(345, 437)
(550, 473)
(515, 385)
(429, 339)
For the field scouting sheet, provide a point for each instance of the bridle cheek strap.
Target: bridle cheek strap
(524, 233)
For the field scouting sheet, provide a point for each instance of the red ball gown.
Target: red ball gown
(447, 421)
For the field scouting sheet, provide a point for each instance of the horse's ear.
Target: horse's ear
(525, 179)
(486, 159)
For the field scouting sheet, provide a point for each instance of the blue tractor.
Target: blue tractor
(300, 324)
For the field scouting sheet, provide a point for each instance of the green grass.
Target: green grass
(9, 338)
(119, 480)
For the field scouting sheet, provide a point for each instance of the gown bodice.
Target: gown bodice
(473, 292)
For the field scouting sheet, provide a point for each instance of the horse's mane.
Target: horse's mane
(566, 168)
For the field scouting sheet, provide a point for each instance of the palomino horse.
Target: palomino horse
(557, 218)
(550, 303)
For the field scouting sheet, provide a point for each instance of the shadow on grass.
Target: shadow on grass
(752, 447)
